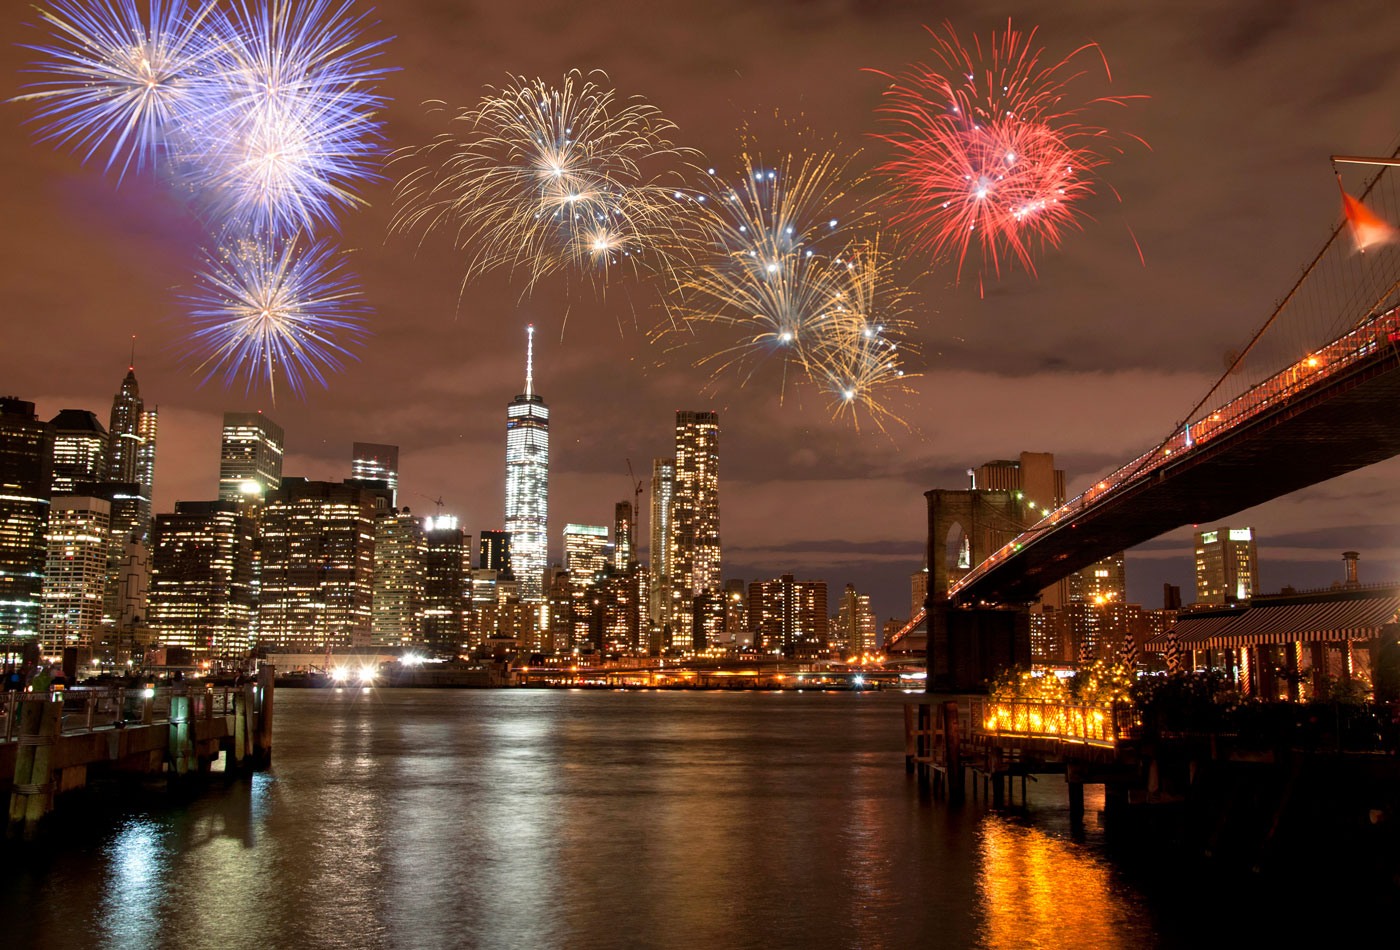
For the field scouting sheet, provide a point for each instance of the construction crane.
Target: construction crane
(638, 487)
(437, 501)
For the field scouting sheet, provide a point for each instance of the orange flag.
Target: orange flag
(1367, 230)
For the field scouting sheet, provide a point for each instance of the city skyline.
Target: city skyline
(1042, 365)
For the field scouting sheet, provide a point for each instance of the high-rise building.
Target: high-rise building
(400, 551)
(201, 595)
(736, 606)
(1039, 487)
(131, 455)
(494, 548)
(124, 430)
(695, 523)
(26, 457)
(75, 573)
(79, 450)
(1227, 566)
(789, 615)
(250, 460)
(527, 482)
(1100, 582)
(585, 551)
(370, 460)
(447, 585)
(663, 494)
(857, 631)
(918, 590)
(1033, 474)
(619, 612)
(146, 466)
(624, 535)
(126, 524)
(316, 583)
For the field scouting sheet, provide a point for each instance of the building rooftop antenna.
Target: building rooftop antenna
(530, 360)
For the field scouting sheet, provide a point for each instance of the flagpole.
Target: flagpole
(1362, 160)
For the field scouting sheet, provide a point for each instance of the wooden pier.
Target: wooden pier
(1277, 804)
(56, 742)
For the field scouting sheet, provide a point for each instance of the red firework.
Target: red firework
(988, 150)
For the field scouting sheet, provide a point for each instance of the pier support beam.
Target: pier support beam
(32, 796)
(1074, 777)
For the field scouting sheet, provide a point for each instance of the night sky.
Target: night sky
(1095, 360)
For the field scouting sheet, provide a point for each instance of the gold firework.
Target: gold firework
(793, 272)
(551, 177)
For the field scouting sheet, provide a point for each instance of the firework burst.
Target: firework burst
(264, 309)
(790, 276)
(855, 358)
(115, 78)
(549, 177)
(285, 125)
(989, 149)
(774, 252)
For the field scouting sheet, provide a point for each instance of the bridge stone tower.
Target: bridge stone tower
(969, 645)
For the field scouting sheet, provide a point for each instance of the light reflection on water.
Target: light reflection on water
(577, 819)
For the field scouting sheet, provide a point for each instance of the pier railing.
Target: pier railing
(87, 708)
(1100, 725)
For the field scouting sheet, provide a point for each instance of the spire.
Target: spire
(530, 360)
(132, 366)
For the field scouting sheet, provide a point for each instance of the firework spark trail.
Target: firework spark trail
(855, 357)
(286, 124)
(550, 177)
(264, 308)
(116, 78)
(989, 150)
(789, 276)
(772, 240)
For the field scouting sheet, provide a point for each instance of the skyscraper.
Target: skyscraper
(447, 585)
(585, 551)
(399, 554)
(624, 535)
(1094, 620)
(695, 523)
(317, 570)
(527, 482)
(131, 456)
(663, 494)
(79, 450)
(858, 632)
(26, 454)
(495, 551)
(250, 459)
(75, 573)
(124, 430)
(201, 595)
(374, 461)
(789, 615)
(1227, 566)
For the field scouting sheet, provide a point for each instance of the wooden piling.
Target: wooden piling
(180, 747)
(910, 747)
(952, 750)
(267, 674)
(32, 796)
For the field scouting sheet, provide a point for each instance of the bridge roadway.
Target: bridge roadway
(1334, 411)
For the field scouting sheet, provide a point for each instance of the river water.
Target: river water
(538, 818)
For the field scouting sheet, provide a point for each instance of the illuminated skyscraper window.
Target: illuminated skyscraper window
(250, 461)
(381, 462)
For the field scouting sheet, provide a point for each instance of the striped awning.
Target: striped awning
(1193, 633)
(1359, 618)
